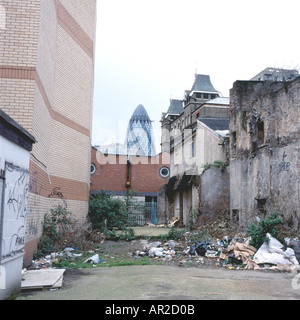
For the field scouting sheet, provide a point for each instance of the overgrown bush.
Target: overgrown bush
(107, 213)
(192, 221)
(269, 224)
(217, 164)
(55, 225)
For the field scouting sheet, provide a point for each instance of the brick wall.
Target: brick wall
(46, 81)
(111, 173)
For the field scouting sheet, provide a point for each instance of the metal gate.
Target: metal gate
(141, 213)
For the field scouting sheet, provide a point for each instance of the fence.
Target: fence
(141, 213)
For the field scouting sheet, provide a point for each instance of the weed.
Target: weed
(106, 212)
(217, 164)
(55, 225)
(173, 234)
(269, 225)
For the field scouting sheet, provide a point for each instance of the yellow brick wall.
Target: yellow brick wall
(17, 100)
(46, 84)
(19, 39)
(41, 129)
(46, 52)
(73, 75)
(69, 155)
(83, 11)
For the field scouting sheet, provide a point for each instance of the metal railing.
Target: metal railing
(141, 213)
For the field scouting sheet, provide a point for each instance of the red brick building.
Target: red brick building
(117, 173)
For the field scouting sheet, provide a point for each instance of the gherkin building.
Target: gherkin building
(139, 138)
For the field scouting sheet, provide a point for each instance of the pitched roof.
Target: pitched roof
(175, 107)
(203, 83)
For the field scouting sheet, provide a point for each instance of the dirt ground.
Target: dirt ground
(120, 249)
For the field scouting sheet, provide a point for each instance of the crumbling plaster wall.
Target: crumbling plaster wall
(213, 194)
(265, 150)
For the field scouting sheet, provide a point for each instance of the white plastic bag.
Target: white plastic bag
(94, 259)
(272, 252)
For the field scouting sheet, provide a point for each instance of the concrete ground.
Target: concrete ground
(157, 282)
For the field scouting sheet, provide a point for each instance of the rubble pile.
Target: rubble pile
(231, 253)
(198, 250)
(46, 262)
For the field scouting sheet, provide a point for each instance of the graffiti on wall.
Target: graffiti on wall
(14, 212)
(284, 165)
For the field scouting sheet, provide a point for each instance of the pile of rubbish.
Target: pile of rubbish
(233, 253)
(165, 252)
(46, 262)
(69, 253)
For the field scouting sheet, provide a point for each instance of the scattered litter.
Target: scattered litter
(153, 245)
(174, 222)
(238, 252)
(295, 245)
(272, 252)
(172, 244)
(151, 225)
(94, 259)
(211, 254)
(156, 252)
(200, 248)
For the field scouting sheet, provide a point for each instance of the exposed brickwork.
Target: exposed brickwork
(143, 175)
(18, 45)
(46, 83)
(17, 100)
(71, 26)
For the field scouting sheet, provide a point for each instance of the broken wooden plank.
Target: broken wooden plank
(43, 278)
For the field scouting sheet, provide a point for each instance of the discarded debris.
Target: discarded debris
(171, 244)
(238, 251)
(94, 259)
(174, 222)
(151, 225)
(295, 245)
(200, 248)
(42, 279)
(272, 252)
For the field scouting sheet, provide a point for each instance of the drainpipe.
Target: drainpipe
(128, 176)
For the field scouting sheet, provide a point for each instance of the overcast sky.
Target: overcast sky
(148, 51)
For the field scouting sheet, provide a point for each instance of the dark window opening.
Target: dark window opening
(234, 216)
(260, 132)
(261, 207)
(233, 141)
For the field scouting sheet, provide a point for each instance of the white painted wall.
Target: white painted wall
(13, 211)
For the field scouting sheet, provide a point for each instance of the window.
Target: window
(193, 148)
(260, 132)
(205, 96)
(164, 172)
(93, 168)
